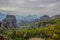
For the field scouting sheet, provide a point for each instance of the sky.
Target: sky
(30, 7)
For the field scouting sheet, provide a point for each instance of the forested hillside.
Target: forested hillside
(49, 32)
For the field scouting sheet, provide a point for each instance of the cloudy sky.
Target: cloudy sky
(30, 7)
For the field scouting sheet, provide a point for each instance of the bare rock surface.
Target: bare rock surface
(9, 22)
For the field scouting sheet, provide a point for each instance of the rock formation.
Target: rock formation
(9, 22)
(3, 37)
(44, 18)
(56, 17)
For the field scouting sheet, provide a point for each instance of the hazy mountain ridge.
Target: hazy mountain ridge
(19, 18)
(2, 16)
(28, 18)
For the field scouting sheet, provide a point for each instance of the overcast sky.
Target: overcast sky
(30, 7)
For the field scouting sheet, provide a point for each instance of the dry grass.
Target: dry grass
(36, 39)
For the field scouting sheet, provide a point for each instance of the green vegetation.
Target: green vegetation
(50, 32)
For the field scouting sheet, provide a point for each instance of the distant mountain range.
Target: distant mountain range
(28, 18)
(2, 16)
(19, 18)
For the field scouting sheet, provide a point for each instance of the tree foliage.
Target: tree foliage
(51, 32)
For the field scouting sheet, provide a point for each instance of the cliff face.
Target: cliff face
(9, 22)
(44, 18)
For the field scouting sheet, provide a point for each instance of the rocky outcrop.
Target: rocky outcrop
(3, 37)
(9, 22)
(43, 21)
(44, 18)
(56, 17)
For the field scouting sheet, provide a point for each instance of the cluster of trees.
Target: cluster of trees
(50, 32)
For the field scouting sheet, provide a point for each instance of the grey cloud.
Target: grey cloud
(27, 7)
